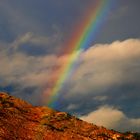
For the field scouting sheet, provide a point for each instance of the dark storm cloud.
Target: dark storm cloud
(122, 23)
(40, 17)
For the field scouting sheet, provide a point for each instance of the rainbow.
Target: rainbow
(83, 35)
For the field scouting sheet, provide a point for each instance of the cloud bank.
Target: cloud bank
(106, 65)
(112, 118)
(100, 67)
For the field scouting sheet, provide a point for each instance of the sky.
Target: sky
(104, 86)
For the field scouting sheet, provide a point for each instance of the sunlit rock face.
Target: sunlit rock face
(20, 120)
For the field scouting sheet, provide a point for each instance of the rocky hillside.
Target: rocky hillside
(22, 121)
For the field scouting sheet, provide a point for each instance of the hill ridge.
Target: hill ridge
(20, 120)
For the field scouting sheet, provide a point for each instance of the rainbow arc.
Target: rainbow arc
(84, 33)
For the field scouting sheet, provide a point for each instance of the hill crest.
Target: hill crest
(20, 120)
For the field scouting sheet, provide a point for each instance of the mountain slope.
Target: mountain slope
(22, 121)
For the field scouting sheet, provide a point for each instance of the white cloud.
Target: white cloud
(102, 66)
(106, 65)
(27, 70)
(112, 118)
